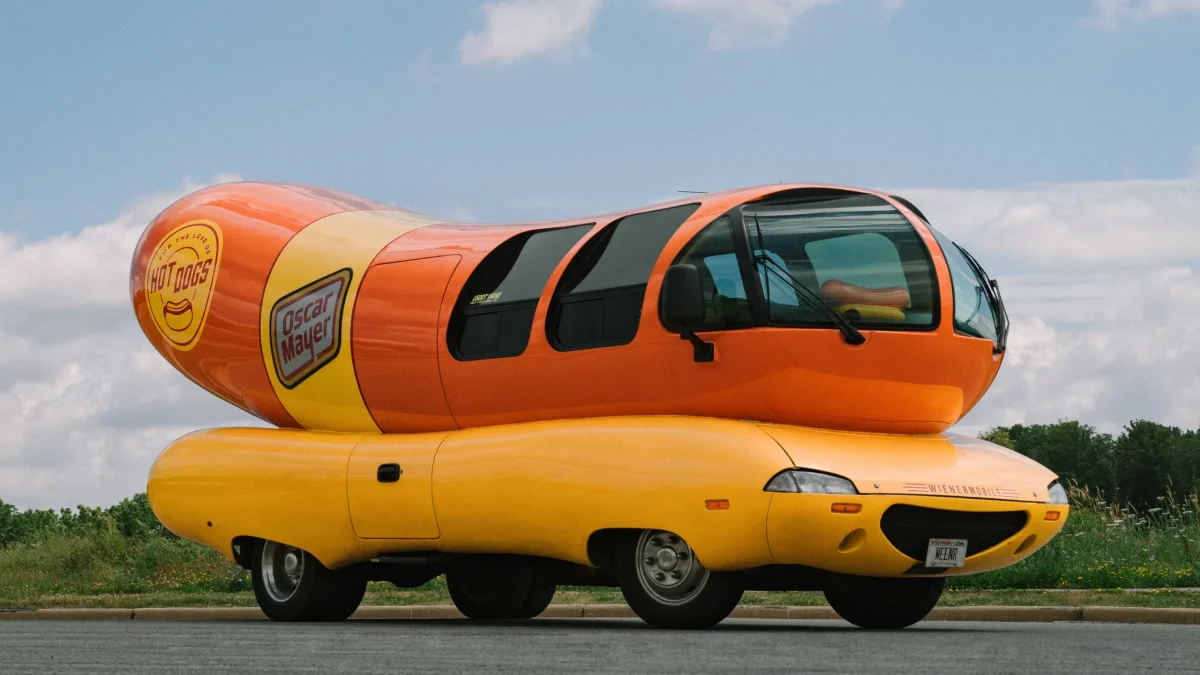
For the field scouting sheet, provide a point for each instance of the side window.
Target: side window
(599, 300)
(494, 314)
(725, 302)
(973, 313)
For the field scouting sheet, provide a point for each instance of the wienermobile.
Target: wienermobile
(735, 391)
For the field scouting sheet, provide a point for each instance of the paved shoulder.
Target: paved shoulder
(591, 646)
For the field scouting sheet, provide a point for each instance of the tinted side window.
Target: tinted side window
(725, 302)
(973, 313)
(599, 301)
(494, 314)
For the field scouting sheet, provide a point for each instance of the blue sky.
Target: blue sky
(1058, 140)
(106, 101)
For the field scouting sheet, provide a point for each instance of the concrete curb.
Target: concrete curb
(199, 613)
(1141, 615)
(980, 613)
(1005, 613)
(66, 614)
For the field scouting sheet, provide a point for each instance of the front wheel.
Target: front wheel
(667, 586)
(291, 585)
(886, 603)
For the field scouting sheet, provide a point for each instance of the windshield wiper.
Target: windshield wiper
(992, 289)
(849, 333)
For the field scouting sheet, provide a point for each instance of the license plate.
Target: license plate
(946, 553)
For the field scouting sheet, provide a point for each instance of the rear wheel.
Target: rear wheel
(667, 586)
(291, 585)
(886, 603)
(499, 589)
(537, 599)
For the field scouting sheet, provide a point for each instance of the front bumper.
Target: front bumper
(803, 529)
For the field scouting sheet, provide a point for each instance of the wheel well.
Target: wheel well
(602, 546)
(243, 548)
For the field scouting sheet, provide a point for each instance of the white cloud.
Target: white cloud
(516, 30)
(1110, 14)
(739, 24)
(1102, 282)
(1101, 348)
(86, 401)
(1080, 225)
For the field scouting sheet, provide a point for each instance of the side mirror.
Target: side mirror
(682, 297)
(683, 307)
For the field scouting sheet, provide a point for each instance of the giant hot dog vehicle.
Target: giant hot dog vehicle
(736, 391)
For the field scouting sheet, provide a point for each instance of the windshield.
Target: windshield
(974, 313)
(854, 253)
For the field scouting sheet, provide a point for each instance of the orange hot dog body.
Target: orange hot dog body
(315, 309)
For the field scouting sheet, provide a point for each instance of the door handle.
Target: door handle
(388, 473)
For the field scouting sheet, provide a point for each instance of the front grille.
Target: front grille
(910, 528)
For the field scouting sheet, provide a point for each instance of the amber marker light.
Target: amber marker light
(716, 504)
(1052, 515)
(846, 508)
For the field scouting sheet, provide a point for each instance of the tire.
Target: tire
(886, 603)
(499, 589)
(537, 599)
(667, 586)
(301, 588)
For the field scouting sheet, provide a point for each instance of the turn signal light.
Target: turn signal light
(716, 504)
(846, 508)
(1053, 515)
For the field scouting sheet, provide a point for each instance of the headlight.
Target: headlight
(1057, 494)
(810, 482)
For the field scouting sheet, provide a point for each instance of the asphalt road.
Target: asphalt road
(590, 646)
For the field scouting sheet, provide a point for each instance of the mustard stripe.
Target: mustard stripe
(309, 275)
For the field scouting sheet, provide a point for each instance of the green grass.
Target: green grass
(1106, 546)
(110, 563)
(1101, 547)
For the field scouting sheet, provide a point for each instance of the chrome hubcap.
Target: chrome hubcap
(667, 569)
(282, 568)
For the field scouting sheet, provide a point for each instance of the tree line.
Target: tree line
(1144, 462)
(132, 517)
